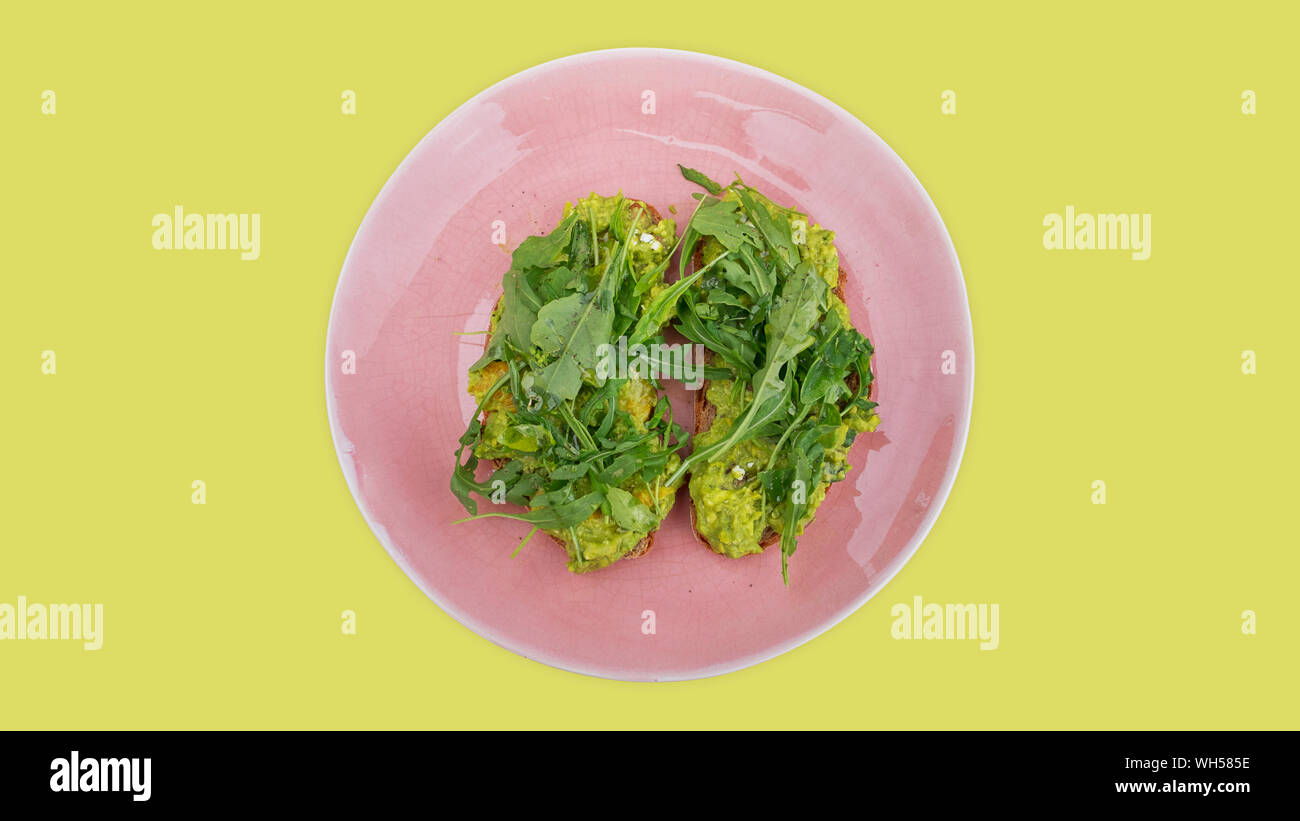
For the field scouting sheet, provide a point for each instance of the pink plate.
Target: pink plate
(424, 266)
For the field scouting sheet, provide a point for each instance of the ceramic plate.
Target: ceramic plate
(426, 264)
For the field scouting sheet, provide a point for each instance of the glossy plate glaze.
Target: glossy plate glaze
(424, 267)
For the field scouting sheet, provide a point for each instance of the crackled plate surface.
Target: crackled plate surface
(424, 266)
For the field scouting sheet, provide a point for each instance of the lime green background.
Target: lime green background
(176, 367)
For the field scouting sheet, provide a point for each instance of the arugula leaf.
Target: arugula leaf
(621, 468)
(494, 351)
(651, 277)
(462, 476)
(662, 306)
(742, 278)
(557, 517)
(554, 283)
(794, 511)
(835, 358)
(736, 350)
(560, 322)
(520, 309)
(764, 280)
(546, 250)
(720, 219)
(776, 483)
(700, 179)
(524, 488)
(617, 216)
(799, 306)
(629, 512)
(582, 248)
(570, 472)
(571, 329)
(777, 234)
(519, 285)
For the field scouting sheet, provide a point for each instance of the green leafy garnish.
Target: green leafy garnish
(573, 450)
(800, 372)
(591, 458)
(700, 179)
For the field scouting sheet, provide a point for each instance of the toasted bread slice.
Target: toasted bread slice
(705, 413)
(642, 547)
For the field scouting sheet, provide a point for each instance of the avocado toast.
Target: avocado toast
(771, 439)
(593, 456)
(589, 456)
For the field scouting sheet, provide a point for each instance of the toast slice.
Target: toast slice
(642, 547)
(705, 412)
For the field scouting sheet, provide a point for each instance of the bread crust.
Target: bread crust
(642, 547)
(706, 412)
